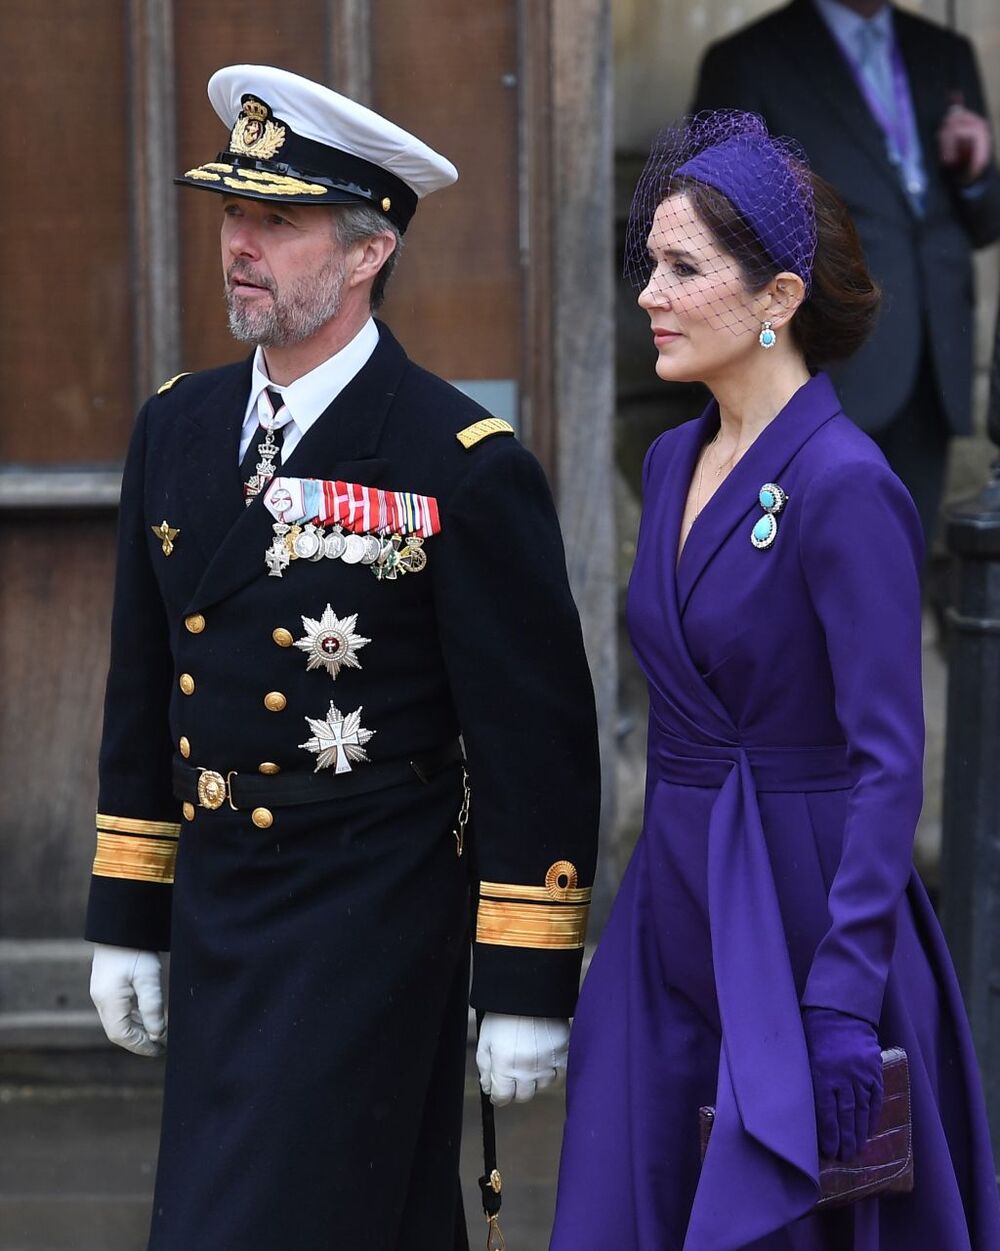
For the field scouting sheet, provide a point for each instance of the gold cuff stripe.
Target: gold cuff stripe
(540, 894)
(132, 825)
(526, 925)
(138, 859)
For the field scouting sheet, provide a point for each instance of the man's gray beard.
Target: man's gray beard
(290, 317)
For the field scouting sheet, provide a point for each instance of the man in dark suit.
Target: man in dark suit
(889, 108)
(332, 567)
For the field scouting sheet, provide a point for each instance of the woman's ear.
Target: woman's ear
(781, 297)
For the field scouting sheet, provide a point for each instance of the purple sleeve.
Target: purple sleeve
(861, 552)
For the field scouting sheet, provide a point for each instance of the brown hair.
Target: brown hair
(841, 309)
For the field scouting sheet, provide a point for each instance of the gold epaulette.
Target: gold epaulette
(171, 382)
(553, 916)
(480, 430)
(143, 851)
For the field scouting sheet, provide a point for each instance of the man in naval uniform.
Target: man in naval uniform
(341, 609)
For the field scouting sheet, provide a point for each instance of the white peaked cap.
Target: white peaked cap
(325, 116)
(292, 139)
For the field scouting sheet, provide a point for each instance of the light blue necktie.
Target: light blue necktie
(873, 64)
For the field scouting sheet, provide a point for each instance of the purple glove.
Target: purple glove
(846, 1064)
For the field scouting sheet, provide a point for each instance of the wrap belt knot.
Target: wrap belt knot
(761, 1171)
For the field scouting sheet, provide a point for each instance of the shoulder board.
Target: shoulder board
(480, 430)
(170, 382)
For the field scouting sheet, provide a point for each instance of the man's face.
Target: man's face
(284, 270)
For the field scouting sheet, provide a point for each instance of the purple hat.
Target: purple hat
(766, 179)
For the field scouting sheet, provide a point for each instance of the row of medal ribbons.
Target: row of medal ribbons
(359, 509)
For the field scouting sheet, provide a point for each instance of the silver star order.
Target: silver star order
(338, 740)
(331, 642)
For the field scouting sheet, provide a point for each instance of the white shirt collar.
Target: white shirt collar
(309, 396)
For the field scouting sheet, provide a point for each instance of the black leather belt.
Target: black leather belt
(210, 789)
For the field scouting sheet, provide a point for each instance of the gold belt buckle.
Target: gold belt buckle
(213, 789)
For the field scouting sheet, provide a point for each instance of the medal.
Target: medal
(354, 549)
(307, 543)
(331, 643)
(334, 544)
(338, 740)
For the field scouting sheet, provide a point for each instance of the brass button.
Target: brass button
(262, 818)
(188, 812)
(282, 637)
(268, 767)
(186, 683)
(195, 623)
(274, 701)
(185, 746)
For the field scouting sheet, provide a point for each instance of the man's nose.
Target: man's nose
(242, 241)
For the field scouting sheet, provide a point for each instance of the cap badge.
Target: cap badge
(256, 133)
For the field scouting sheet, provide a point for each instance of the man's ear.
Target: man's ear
(372, 253)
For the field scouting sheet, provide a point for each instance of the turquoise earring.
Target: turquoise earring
(767, 338)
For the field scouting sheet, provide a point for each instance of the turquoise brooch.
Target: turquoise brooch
(772, 499)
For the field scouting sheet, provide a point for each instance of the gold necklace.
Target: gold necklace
(728, 465)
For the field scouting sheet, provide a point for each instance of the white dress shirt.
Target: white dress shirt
(309, 396)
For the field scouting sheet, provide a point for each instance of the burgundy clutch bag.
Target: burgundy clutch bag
(885, 1166)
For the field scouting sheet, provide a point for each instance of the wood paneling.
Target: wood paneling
(54, 621)
(65, 338)
(206, 37)
(447, 70)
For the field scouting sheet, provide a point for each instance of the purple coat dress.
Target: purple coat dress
(773, 870)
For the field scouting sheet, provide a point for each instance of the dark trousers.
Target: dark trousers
(915, 444)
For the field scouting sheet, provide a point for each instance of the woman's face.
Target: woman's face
(704, 321)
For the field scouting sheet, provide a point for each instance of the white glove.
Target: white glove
(518, 1055)
(127, 991)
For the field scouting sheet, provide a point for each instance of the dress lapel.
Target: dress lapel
(674, 657)
(340, 444)
(735, 502)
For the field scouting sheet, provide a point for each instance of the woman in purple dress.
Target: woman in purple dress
(770, 935)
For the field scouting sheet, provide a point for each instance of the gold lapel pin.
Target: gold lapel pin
(166, 534)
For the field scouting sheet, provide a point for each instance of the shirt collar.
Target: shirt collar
(844, 23)
(311, 395)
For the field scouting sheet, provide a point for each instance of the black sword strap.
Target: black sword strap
(490, 1183)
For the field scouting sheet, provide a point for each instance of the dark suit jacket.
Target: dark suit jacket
(788, 67)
